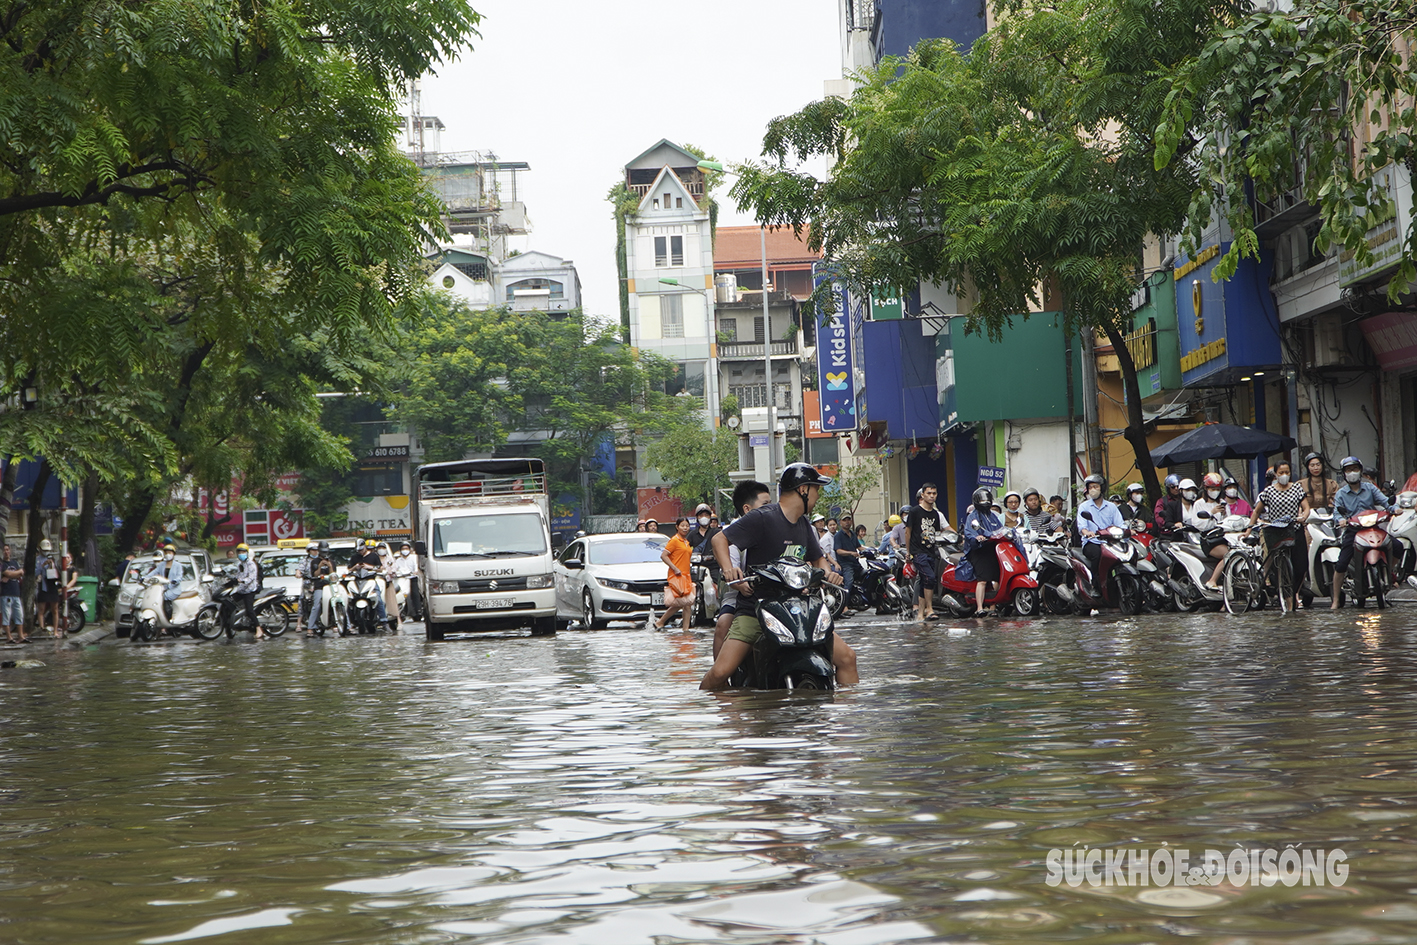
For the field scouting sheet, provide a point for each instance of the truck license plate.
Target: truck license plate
(498, 603)
(657, 599)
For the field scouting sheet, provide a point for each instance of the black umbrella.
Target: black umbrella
(1220, 441)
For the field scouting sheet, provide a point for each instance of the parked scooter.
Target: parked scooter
(365, 590)
(269, 606)
(794, 649)
(1403, 527)
(1052, 567)
(1015, 592)
(150, 620)
(76, 611)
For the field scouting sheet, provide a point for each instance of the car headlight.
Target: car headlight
(613, 585)
(445, 587)
(127, 597)
(539, 580)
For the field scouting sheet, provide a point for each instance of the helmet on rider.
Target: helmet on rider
(1135, 487)
(45, 546)
(797, 475)
(1093, 485)
(893, 520)
(324, 547)
(371, 543)
(1352, 468)
(1188, 489)
(1172, 482)
(819, 517)
(703, 507)
(1012, 495)
(1232, 488)
(1314, 456)
(1212, 483)
(983, 499)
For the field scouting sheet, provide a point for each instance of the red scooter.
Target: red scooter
(1370, 553)
(1016, 591)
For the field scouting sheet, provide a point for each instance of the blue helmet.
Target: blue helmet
(1350, 461)
(1173, 481)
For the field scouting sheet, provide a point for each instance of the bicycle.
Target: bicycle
(1279, 537)
(1250, 574)
(1240, 577)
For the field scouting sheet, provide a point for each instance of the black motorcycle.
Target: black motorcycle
(362, 584)
(270, 606)
(875, 585)
(794, 649)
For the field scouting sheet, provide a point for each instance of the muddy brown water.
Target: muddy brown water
(581, 790)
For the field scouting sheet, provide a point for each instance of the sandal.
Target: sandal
(930, 616)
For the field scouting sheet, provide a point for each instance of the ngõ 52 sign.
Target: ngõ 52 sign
(835, 370)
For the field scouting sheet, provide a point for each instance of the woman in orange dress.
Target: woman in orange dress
(679, 589)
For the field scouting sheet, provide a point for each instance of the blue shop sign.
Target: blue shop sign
(1225, 328)
(835, 368)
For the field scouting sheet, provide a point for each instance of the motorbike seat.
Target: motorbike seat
(187, 595)
(1076, 553)
(953, 559)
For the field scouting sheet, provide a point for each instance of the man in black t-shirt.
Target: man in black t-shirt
(922, 527)
(764, 535)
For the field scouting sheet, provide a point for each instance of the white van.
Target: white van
(482, 531)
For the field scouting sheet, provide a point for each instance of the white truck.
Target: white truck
(482, 531)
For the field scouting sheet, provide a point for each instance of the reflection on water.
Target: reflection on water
(581, 790)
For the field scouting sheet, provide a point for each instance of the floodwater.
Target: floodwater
(580, 790)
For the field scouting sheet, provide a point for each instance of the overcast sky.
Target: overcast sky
(578, 88)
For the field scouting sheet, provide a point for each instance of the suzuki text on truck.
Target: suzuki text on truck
(484, 538)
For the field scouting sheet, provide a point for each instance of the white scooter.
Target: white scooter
(1187, 569)
(1324, 544)
(1403, 527)
(188, 611)
(334, 610)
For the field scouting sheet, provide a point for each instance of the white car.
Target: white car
(600, 578)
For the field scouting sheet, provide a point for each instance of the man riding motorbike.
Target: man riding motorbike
(1104, 515)
(1354, 497)
(321, 571)
(306, 572)
(777, 530)
(248, 582)
(368, 557)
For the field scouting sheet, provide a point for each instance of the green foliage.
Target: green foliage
(728, 405)
(624, 202)
(850, 484)
(694, 461)
(1316, 100)
(1027, 162)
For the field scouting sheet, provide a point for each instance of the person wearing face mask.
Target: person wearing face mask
(1103, 514)
(405, 566)
(1353, 498)
(703, 527)
(248, 582)
(1281, 501)
(1235, 503)
(1169, 510)
(322, 574)
(1193, 503)
(169, 567)
(306, 572)
(1318, 488)
(1213, 485)
(1136, 508)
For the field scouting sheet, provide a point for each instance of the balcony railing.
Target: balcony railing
(756, 395)
(737, 351)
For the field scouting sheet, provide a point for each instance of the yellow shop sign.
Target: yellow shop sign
(1203, 354)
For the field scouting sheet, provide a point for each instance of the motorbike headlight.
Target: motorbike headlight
(796, 578)
(361, 603)
(544, 580)
(1368, 520)
(776, 627)
(604, 582)
(1408, 500)
(823, 626)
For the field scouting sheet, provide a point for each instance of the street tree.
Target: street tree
(1315, 101)
(1020, 173)
(850, 485)
(693, 460)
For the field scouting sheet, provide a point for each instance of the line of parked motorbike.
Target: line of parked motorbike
(348, 605)
(1141, 573)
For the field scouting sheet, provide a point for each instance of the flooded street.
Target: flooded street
(581, 790)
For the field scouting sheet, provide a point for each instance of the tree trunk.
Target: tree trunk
(1136, 423)
(36, 522)
(7, 495)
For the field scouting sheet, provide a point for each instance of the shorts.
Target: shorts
(746, 629)
(925, 568)
(729, 604)
(12, 612)
(47, 597)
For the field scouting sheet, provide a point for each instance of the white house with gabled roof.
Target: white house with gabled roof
(669, 236)
(537, 281)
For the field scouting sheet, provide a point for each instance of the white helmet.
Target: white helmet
(45, 546)
(1185, 484)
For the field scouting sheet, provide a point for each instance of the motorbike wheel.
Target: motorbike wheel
(1053, 601)
(891, 600)
(75, 617)
(835, 599)
(208, 624)
(140, 632)
(1377, 581)
(1025, 601)
(273, 619)
(1239, 581)
(1128, 595)
(810, 682)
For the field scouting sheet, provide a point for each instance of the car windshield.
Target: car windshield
(281, 565)
(625, 551)
(508, 535)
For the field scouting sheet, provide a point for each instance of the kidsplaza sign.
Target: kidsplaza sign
(835, 369)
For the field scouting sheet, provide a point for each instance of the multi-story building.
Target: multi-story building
(669, 267)
(537, 282)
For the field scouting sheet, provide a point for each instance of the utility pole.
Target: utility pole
(767, 364)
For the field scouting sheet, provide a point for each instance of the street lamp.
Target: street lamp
(767, 334)
(711, 392)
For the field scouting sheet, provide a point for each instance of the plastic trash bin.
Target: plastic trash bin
(88, 593)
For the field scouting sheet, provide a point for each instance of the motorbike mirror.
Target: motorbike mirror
(1087, 515)
(575, 564)
(1204, 514)
(420, 548)
(818, 576)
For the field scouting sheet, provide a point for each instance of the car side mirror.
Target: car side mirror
(574, 564)
(420, 548)
(207, 578)
(114, 582)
